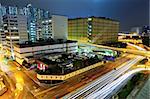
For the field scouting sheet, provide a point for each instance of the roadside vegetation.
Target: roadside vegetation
(135, 81)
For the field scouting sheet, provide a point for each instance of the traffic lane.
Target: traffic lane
(91, 76)
(96, 83)
(117, 83)
(7, 94)
(16, 74)
(29, 83)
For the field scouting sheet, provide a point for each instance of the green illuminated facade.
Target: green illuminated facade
(93, 29)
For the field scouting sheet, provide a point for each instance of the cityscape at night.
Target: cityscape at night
(74, 49)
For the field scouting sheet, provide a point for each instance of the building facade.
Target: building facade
(93, 29)
(34, 15)
(59, 27)
(40, 24)
(2, 37)
(136, 30)
(15, 28)
(146, 35)
(44, 29)
(39, 49)
(55, 27)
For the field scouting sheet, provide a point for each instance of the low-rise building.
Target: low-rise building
(27, 50)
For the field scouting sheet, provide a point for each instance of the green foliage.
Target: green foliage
(130, 86)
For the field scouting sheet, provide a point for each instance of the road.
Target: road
(107, 91)
(136, 52)
(103, 80)
(24, 85)
(82, 79)
(137, 47)
(26, 88)
(112, 88)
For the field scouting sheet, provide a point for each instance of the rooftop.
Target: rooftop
(43, 43)
(94, 17)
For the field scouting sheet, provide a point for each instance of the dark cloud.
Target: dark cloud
(129, 12)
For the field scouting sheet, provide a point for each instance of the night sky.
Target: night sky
(130, 13)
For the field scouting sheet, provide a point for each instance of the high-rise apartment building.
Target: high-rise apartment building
(59, 27)
(55, 27)
(2, 12)
(15, 28)
(2, 37)
(34, 15)
(12, 10)
(44, 29)
(93, 29)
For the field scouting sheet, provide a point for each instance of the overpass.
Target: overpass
(136, 52)
(131, 40)
(122, 38)
(123, 34)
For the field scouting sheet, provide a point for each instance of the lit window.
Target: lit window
(89, 19)
(90, 30)
(90, 26)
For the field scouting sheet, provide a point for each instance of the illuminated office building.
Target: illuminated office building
(2, 12)
(12, 10)
(93, 29)
(2, 37)
(44, 29)
(34, 15)
(15, 28)
(55, 27)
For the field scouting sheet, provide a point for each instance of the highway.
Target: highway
(78, 81)
(25, 87)
(106, 79)
(137, 47)
(107, 91)
(99, 83)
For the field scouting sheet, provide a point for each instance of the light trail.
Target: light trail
(110, 88)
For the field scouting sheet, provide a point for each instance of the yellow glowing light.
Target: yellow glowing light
(19, 78)
(19, 86)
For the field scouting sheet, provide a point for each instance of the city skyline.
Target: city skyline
(72, 49)
(130, 13)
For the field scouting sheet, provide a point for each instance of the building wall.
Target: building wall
(22, 53)
(22, 28)
(45, 29)
(104, 30)
(77, 29)
(59, 27)
(2, 37)
(93, 29)
(67, 76)
(15, 28)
